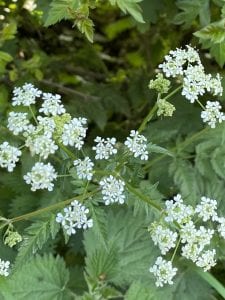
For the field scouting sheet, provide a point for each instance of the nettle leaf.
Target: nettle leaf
(187, 180)
(99, 219)
(138, 291)
(86, 26)
(42, 278)
(36, 236)
(129, 249)
(59, 10)
(131, 7)
(190, 10)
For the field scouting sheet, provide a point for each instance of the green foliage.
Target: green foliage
(131, 7)
(42, 278)
(36, 236)
(190, 10)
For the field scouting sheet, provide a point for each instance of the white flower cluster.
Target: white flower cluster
(74, 132)
(75, 216)
(104, 147)
(112, 190)
(4, 267)
(195, 240)
(84, 168)
(137, 144)
(52, 105)
(212, 114)
(18, 122)
(187, 64)
(9, 155)
(41, 176)
(25, 95)
(163, 271)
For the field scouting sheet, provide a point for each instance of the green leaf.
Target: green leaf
(129, 249)
(37, 235)
(190, 10)
(214, 32)
(86, 26)
(138, 291)
(131, 7)
(157, 149)
(42, 278)
(59, 10)
(99, 220)
(187, 180)
(5, 57)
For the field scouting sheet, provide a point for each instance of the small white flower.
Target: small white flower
(42, 145)
(163, 271)
(84, 168)
(9, 155)
(41, 176)
(187, 231)
(191, 251)
(75, 216)
(104, 147)
(46, 123)
(74, 132)
(177, 211)
(212, 114)
(207, 260)
(17, 122)
(163, 237)
(137, 144)
(25, 95)
(207, 209)
(52, 105)
(112, 190)
(4, 267)
(214, 85)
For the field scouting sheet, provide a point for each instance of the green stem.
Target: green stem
(175, 251)
(173, 92)
(64, 175)
(202, 106)
(67, 151)
(148, 117)
(33, 115)
(50, 207)
(143, 197)
(211, 280)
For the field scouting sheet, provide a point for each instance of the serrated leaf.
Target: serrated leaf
(42, 278)
(59, 10)
(86, 26)
(129, 249)
(214, 32)
(99, 220)
(138, 291)
(36, 236)
(190, 10)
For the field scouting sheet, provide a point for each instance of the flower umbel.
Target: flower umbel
(4, 267)
(9, 155)
(137, 144)
(75, 216)
(163, 271)
(41, 176)
(84, 168)
(112, 190)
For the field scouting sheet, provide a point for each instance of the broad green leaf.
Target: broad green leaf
(36, 236)
(190, 10)
(42, 278)
(157, 149)
(213, 32)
